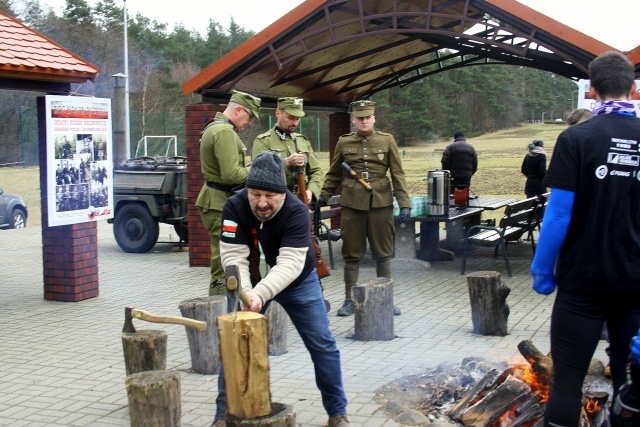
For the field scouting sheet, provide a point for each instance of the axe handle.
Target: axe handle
(150, 317)
(353, 173)
(244, 297)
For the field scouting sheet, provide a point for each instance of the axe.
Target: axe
(234, 289)
(353, 173)
(130, 313)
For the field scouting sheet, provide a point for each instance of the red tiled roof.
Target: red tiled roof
(27, 54)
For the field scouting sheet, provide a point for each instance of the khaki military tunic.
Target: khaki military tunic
(222, 161)
(271, 141)
(375, 158)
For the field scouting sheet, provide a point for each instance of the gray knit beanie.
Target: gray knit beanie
(267, 173)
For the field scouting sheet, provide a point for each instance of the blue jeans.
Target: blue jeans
(305, 306)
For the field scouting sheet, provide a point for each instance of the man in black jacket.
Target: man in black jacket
(461, 159)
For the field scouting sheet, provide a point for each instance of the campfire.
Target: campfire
(516, 396)
(475, 393)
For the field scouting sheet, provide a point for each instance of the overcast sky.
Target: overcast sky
(614, 23)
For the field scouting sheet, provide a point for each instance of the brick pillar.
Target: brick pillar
(339, 124)
(69, 252)
(197, 117)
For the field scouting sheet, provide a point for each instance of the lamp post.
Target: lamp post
(127, 125)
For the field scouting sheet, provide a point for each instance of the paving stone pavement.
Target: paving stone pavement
(61, 364)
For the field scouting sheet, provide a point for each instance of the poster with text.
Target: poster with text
(79, 159)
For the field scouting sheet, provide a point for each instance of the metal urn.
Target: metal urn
(438, 190)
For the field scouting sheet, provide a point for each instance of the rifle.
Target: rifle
(321, 265)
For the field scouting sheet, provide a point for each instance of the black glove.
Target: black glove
(322, 202)
(405, 214)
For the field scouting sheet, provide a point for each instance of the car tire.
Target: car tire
(18, 218)
(135, 230)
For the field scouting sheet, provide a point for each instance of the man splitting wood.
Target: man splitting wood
(267, 218)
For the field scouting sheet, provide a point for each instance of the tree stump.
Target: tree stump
(245, 361)
(373, 310)
(489, 310)
(204, 346)
(281, 416)
(144, 350)
(278, 323)
(154, 398)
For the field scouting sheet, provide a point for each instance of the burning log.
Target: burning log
(478, 391)
(541, 364)
(498, 402)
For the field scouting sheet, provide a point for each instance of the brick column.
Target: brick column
(197, 117)
(339, 124)
(69, 252)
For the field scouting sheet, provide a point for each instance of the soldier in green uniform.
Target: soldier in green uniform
(294, 148)
(375, 157)
(222, 159)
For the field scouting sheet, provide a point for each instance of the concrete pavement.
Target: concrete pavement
(61, 364)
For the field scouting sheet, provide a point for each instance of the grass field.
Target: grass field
(500, 156)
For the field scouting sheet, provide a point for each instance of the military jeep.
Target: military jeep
(148, 191)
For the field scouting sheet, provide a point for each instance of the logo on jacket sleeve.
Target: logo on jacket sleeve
(229, 228)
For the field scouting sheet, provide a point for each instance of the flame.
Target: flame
(592, 407)
(506, 419)
(527, 375)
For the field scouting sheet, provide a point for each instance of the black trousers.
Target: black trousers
(576, 326)
(462, 182)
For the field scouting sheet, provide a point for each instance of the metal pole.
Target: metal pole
(127, 126)
(22, 137)
(318, 134)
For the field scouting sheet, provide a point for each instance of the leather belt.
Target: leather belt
(220, 187)
(367, 175)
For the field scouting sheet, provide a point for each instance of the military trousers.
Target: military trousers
(212, 220)
(375, 225)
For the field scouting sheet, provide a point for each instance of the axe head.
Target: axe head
(128, 321)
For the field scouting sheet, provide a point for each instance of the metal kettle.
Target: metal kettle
(439, 182)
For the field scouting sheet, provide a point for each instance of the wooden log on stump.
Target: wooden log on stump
(154, 398)
(245, 361)
(373, 310)
(281, 416)
(489, 310)
(278, 324)
(204, 346)
(144, 350)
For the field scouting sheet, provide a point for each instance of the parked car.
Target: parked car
(13, 211)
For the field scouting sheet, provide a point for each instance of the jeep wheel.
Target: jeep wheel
(135, 230)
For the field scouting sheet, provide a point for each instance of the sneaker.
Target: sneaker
(338, 421)
(219, 423)
(217, 288)
(396, 311)
(347, 309)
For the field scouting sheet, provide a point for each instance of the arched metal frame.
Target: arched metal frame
(337, 51)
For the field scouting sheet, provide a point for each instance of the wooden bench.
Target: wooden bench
(517, 220)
